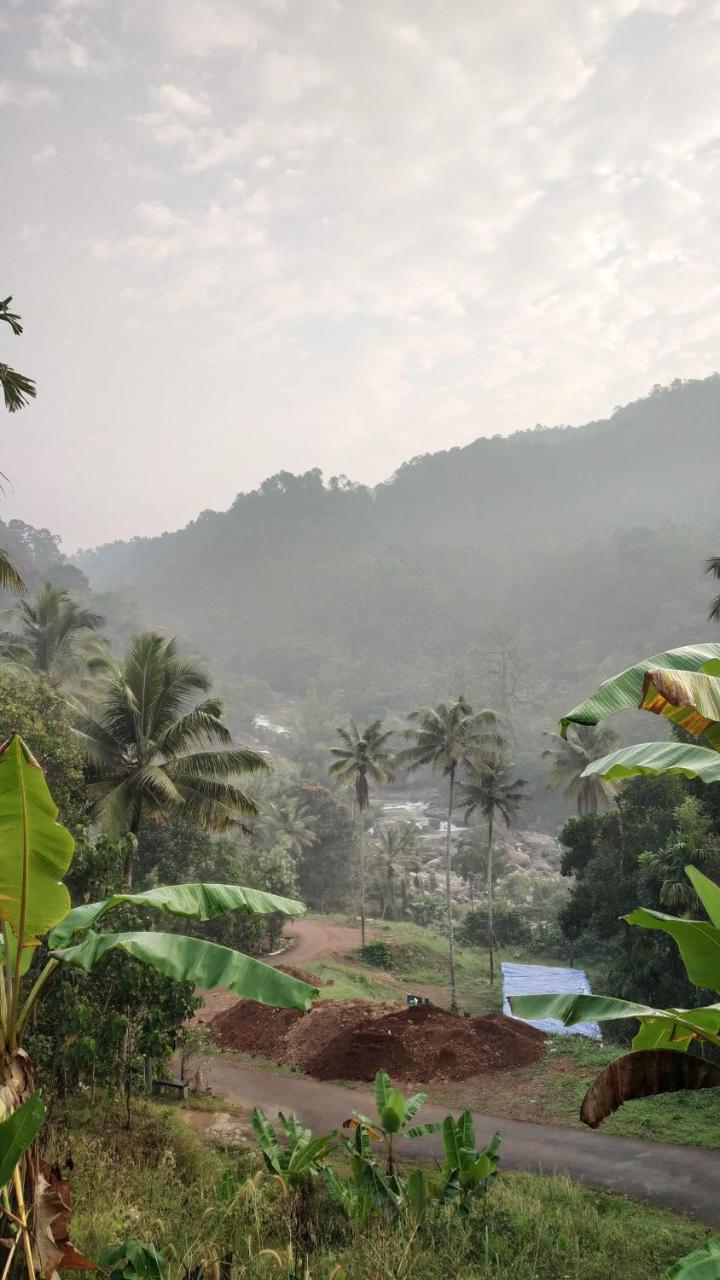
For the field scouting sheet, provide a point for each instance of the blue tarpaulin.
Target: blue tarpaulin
(541, 980)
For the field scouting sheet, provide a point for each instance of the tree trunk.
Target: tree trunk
(448, 893)
(471, 887)
(132, 845)
(362, 876)
(491, 936)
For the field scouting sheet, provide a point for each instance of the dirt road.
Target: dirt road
(309, 939)
(313, 938)
(680, 1178)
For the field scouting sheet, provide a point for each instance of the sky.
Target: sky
(257, 235)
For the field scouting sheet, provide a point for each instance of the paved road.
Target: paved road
(682, 1178)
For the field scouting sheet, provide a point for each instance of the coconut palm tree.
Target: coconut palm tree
(288, 817)
(56, 638)
(490, 788)
(17, 389)
(153, 747)
(394, 859)
(444, 737)
(363, 756)
(713, 566)
(571, 756)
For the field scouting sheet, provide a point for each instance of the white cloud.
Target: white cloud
(21, 94)
(45, 156)
(182, 103)
(417, 220)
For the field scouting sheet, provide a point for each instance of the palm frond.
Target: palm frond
(10, 579)
(18, 390)
(217, 764)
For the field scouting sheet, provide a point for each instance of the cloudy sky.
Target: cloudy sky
(253, 235)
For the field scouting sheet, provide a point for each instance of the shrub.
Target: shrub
(510, 926)
(377, 953)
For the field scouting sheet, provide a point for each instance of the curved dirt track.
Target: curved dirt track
(314, 937)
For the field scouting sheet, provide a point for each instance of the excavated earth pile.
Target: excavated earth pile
(351, 1039)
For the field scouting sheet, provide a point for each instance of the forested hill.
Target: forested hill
(516, 569)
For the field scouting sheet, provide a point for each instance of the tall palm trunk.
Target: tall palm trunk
(491, 935)
(361, 815)
(448, 893)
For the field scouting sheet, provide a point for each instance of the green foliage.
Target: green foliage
(133, 1260)
(299, 1157)
(377, 953)
(701, 1264)
(161, 1183)
(325, 871)
(17, 388)
(467, 1173)
(618, 850)
(511, 927)
(56, 637)
(41, 716)
(147, 745)
(17, 1132)
(571, 754)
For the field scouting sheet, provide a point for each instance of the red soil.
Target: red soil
(351, 1039)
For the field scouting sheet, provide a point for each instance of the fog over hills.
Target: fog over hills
(518, 569)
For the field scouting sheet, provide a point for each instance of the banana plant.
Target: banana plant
(467, 1173)
(395, 1112)
(300, 1157)
(656, 1063)
(683, 686)
(35, 853)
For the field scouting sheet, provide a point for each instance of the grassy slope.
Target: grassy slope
(549, 1092)
(159, 1184)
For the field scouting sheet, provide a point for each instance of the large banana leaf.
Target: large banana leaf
(35, 851)
(644, 1074)
(17, 1131)
(623, 691)
(190, 901)
(701, 1264)
(654, 758)
(707, 892)
(672, 1028)
(698, 941)
(690, 699)
(207, 964)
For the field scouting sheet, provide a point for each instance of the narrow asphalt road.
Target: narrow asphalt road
(686, 1179)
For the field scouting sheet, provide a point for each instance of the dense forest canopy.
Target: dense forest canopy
(517, 569)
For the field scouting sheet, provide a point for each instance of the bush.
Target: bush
(510, 926)
(378, 954)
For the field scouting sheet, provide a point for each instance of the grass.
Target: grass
(160, 1184)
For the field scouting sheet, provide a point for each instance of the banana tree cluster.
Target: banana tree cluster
(370, 1189)
(35, 908)
(683, 686)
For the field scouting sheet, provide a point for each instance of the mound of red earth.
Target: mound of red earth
(352, 1039)
(301, 975)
